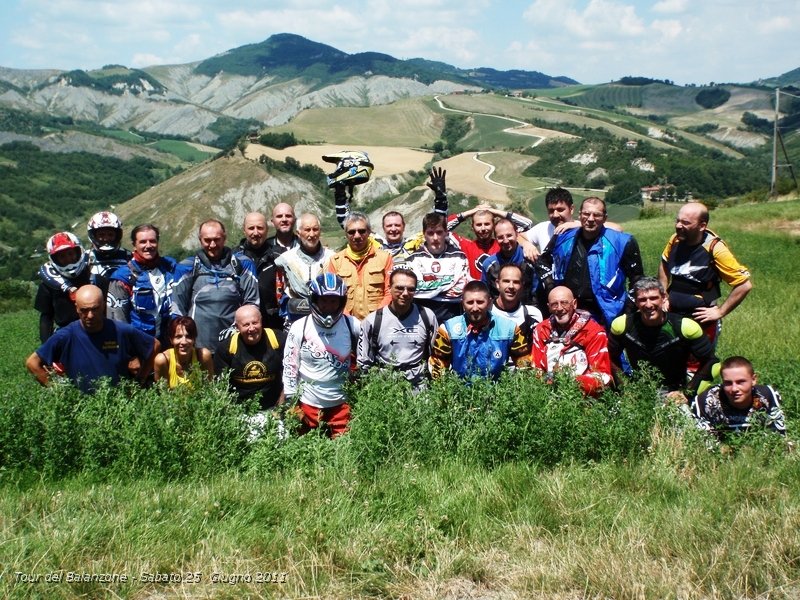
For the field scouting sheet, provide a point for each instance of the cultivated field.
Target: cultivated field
(407, 123)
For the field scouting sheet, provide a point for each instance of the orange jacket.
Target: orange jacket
(367, 280)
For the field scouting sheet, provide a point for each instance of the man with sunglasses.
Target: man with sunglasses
(363, 266)
(399, 335)
(594, 262)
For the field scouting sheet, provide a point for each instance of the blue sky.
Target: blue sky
(593, 41)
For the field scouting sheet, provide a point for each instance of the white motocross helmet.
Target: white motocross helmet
(64, 240)
(105, 220)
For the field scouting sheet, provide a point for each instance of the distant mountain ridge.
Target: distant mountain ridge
(292, 55)
(257, 84)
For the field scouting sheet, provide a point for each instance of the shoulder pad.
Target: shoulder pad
(690, 329)
(619, 324)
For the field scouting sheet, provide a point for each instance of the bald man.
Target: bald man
(693, 263)
(255, 247)
(570, 339)
(253, 358)
(93, 347)
(283, 219)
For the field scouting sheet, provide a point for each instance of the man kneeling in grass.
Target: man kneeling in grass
(739, 403)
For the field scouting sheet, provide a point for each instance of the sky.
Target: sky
(591, 41)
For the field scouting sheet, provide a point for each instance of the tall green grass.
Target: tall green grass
(508, 490)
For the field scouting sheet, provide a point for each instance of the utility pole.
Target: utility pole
(777, 137)
(773, 189)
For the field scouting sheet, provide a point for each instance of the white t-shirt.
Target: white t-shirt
(540, 234)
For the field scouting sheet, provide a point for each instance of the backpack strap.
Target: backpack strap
(273, 340)
(428, 331)
(376, 329)
(234, 343)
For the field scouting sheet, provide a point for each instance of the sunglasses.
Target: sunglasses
(355, 231)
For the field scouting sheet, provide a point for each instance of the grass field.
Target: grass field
(125, 136)
(367, 517)
(407, 123)
(183, 150)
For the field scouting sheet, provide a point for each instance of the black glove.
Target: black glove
(437, 181)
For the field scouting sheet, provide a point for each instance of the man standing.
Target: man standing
(93, 347)
(399, 335)
(363, 267)
(509, 300)
(663, 339)
(140, 292)
(216, 282)
(254, 356)
(692, 265)
(559, 206)
(739, 403)
(319, 357)
(283, 221)
(510, 253)
(484, 245)
(571, 339)
(299, 266)
(441, 270)
(254, 246)
(478, 343)
(593, 261)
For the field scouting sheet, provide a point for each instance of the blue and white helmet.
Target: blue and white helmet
(327, 284)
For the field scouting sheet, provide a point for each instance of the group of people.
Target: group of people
(291, 321)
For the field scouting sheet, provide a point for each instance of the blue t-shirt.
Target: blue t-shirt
(89, 356)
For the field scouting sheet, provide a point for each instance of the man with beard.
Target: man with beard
(509, 302)
(693, 263)
(478, 343)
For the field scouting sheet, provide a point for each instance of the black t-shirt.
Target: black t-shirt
(256, 370)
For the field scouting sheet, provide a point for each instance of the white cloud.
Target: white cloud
(597, 19)
(670, 6)
(669, 29)
(775, 25)
(146, 60)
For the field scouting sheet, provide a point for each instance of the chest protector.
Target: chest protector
(483, 353)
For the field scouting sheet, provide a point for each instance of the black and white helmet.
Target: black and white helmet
(353, 167)
(327, 284)
(105, 220)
